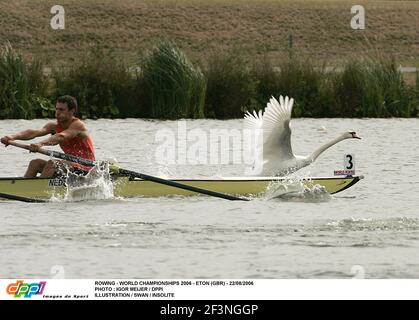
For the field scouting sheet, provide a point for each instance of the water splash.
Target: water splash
(95, 185)
(296, 189)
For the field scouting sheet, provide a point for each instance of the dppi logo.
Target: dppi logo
(27, 290)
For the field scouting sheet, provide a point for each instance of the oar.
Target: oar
(125, 172)
(19, 198)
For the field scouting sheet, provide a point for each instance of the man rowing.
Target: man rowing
(68, 131)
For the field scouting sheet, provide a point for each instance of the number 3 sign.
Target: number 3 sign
(349, 162)
(349, 166)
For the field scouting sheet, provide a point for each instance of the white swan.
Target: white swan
(274, 126)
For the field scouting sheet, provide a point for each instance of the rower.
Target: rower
(68, 131)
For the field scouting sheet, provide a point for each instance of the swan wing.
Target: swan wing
(253, 121)
(277, 130)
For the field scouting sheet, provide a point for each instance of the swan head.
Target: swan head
(350, 135)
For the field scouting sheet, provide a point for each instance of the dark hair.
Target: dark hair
(71, 102)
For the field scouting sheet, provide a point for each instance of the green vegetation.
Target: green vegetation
(231, 86)
(308, 85)
(373, 89)
(243, 48)
(360, 88)
(173, 87)
(23, 88)
(166, 85)
(100, 82)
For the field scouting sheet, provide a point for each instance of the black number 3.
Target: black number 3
(351, 165)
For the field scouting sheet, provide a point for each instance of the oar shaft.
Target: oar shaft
(19, 198)
(180, 185)
(56, 154)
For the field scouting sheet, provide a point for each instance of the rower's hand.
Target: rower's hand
(34, 147)
(5, 140)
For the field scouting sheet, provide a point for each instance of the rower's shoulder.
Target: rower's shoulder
(78, 124)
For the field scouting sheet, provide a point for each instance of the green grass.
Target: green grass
(249, 38)
(320, 28)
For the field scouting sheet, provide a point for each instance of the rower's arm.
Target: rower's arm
(77, 128)
(30, 134)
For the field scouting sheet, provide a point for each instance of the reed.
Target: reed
(166, 85)
(23, 88)
(173, 87)
(373, 88)
(230, 86)
(301, 79)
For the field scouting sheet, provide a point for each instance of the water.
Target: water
(373, 226)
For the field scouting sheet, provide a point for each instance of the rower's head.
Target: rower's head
(65, 108)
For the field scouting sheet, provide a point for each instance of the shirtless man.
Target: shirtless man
(68, 131)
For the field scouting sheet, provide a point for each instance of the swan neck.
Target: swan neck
(324, 147)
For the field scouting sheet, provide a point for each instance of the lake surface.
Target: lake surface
(371, 229)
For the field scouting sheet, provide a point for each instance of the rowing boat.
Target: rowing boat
(128, 183)
(123, 186)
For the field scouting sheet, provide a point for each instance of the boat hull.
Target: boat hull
(125, 187)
